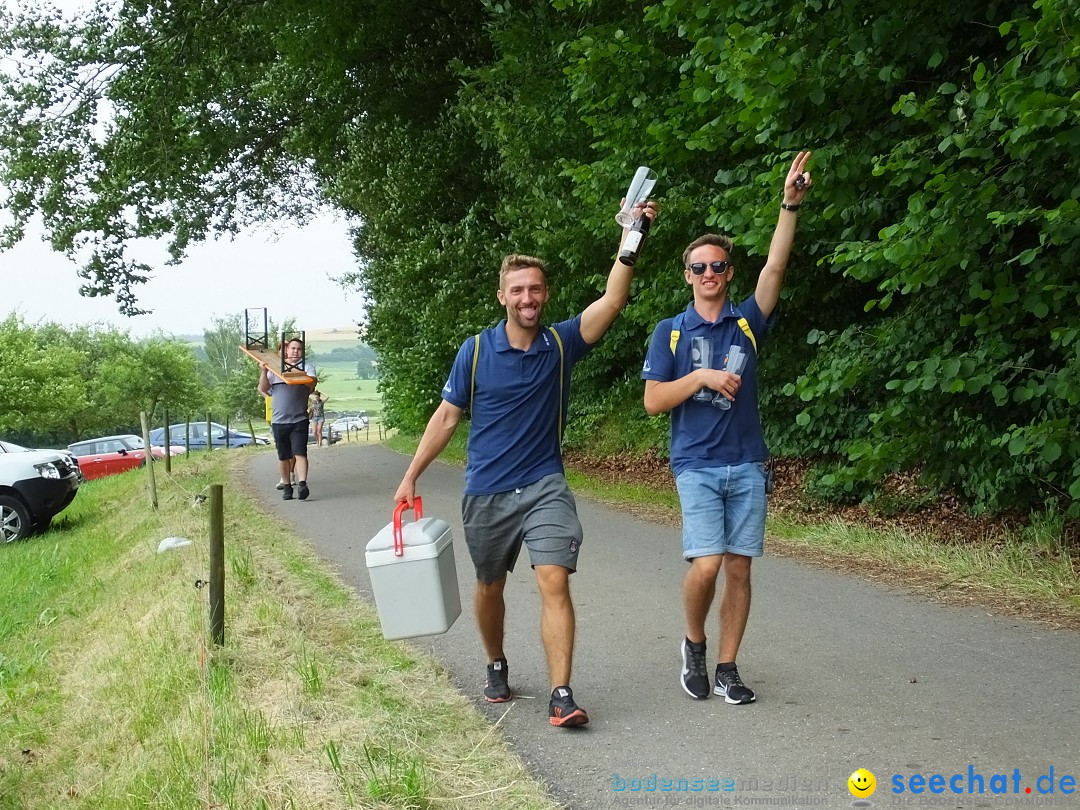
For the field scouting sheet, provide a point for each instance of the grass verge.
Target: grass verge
(112, 697)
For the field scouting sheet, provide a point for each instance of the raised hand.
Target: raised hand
(798, 180)
(648, 208)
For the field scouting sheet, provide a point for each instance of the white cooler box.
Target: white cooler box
(413, 576)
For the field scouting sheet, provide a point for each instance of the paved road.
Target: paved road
(848, 674)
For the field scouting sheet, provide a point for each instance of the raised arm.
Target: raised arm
(602, 312)
(771, 280)
(440, 429)
(264, 382)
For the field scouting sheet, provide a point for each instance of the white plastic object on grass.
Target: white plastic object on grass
(169, 543)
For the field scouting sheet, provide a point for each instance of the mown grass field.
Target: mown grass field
(346, 393)
(337, 378)
(112, 696)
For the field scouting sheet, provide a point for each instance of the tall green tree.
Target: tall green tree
(70, 384)
(43, 388)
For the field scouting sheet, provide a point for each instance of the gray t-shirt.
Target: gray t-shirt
(288, 403)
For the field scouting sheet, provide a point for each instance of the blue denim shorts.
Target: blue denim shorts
(723, 510)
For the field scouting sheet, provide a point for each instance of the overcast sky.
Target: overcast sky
(290, 274)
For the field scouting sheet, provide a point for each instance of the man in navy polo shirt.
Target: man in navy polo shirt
(718, 452)
(515, 490)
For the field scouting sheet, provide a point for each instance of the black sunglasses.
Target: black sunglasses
(698, 268)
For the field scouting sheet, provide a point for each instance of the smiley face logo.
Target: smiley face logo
(862, 784)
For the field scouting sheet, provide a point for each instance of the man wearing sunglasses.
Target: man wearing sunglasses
(516, 377)
(718, 452)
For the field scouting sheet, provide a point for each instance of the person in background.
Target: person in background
(318, 416)
(268, 403)
(289, 420)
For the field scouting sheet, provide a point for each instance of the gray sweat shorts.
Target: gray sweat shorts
(543, 515)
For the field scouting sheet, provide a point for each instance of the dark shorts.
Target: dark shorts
(543, 515)
(291, 439)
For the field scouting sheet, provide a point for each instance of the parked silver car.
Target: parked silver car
(343, 424)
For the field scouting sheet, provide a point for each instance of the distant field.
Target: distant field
(346, 393)
(338, 336)
(324, 347)
(337, 379)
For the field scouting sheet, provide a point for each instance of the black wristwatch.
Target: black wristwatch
(790, 206)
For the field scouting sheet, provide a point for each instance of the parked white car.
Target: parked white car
(35, 486)
(347, 423)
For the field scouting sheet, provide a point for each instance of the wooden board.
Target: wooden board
(272, 361)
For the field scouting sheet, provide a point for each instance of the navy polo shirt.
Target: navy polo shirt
(702, 435)
(514, 438)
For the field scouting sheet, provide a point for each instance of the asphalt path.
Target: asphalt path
(848, 674)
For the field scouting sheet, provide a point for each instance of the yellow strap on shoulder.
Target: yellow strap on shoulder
(562, 360)
(475, 357)
(558, 341)
(742, 325)
(746, 328)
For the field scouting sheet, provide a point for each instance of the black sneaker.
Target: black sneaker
(695, 672)
(730, 685)
(562, 711)
(497, 689)
(286, 492)
(303, 491)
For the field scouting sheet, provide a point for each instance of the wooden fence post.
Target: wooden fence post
(149, 458)
(217, 564)
(168, 444)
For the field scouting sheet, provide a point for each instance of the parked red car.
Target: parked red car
(109, 455)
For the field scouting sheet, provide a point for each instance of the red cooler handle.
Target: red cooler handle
(418, 512)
